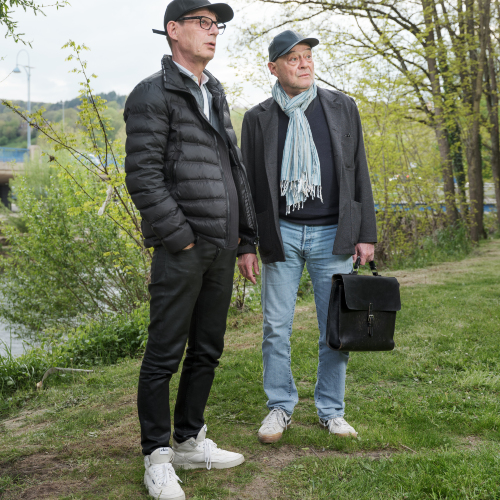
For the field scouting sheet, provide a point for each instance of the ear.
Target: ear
(272, 69)
(172, 30)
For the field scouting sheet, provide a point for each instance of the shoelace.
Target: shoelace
(165, 474)
(276, 415)
(208, 447)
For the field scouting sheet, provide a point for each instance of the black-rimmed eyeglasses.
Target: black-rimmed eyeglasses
(206, 23)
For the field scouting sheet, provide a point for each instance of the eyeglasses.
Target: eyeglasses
(206, 23)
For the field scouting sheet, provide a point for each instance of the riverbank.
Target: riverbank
(427, 413)
(10, 344)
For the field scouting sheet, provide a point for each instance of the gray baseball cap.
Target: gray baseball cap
(286, 41)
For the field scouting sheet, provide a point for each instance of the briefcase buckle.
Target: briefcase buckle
(371, 319)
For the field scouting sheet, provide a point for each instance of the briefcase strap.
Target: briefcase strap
(372, 264)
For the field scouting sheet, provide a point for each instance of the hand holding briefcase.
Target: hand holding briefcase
(362, 311)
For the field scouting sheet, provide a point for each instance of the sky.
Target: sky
(123, 48)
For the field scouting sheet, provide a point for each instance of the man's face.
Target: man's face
(194, 41)
(295, 70)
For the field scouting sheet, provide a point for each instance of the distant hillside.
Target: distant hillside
(13, 130)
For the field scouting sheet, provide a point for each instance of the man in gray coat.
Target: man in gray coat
(306, 164)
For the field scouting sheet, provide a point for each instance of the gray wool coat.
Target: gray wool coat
(259, 145)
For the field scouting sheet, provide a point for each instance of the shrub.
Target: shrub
(66, 262)
(95, 343)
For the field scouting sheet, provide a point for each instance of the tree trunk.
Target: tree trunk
(458, 168)
(473, 141)
(492, 103)
(439, 117)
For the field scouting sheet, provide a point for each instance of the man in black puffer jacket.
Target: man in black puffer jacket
(184, 174)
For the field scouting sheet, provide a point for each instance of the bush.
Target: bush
(77, 252)
(96, 343)
(446, 244)
(67, 262)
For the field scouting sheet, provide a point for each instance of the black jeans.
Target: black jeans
(190, 296)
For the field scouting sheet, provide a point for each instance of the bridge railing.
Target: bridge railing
(12, 154)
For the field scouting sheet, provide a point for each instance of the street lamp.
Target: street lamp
(28, 73)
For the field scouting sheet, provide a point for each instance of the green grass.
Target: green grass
(428, 413)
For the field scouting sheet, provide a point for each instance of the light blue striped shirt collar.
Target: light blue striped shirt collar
(204, 80)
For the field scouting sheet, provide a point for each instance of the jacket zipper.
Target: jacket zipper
(174, 173)
(247, 189)
(220, 162)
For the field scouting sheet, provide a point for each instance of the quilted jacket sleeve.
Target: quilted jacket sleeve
(147, 123)
(248, 153)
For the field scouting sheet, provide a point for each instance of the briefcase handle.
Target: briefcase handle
(372, 265)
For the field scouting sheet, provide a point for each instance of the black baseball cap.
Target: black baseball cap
(286, 41)
(177, 9)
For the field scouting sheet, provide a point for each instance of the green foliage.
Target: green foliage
(13, 128)
(427, 414)
(81, 254)
(446, 244)
(92, 344)
(405, 171)
(367, 56)
(68, 262)
(7, 20)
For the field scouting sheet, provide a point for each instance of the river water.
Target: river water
(15, 345)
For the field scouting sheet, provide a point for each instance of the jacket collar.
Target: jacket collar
(172, 79)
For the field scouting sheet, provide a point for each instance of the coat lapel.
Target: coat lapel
(332, 109)
(269, 124)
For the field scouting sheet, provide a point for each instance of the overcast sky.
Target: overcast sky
(123, 48)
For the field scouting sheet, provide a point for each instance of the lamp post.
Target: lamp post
(63, 113)
(28, 73)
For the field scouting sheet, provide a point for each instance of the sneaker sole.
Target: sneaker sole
(158, 496)
(349, 434)
(215, 465)
(270, 438)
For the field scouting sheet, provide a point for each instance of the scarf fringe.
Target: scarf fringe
(299, 191)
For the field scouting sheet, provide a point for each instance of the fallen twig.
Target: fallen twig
(314, 451)
(54, 369)
(408, 448)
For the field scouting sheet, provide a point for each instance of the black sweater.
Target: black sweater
(314, 213)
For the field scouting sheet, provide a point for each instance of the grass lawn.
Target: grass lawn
(428, 413)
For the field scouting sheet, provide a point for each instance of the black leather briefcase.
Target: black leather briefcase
(362, 311)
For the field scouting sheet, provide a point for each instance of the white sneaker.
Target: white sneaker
(338, 426)
(273, 426)
(160, 478)
(201, 452)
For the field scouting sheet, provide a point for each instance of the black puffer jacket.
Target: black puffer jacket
(173, 166)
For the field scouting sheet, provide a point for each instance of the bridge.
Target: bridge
(11, 164)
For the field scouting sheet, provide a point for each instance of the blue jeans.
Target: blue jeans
(310, 245)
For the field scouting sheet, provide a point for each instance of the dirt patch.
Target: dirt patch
(48, 490)
(248, 340)
(261, 488)
(39, 464)
(21, 420)
(280, 458)
(302, 309)
(127, 400)
(275, 459)
(472, 442)
(119, 441)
